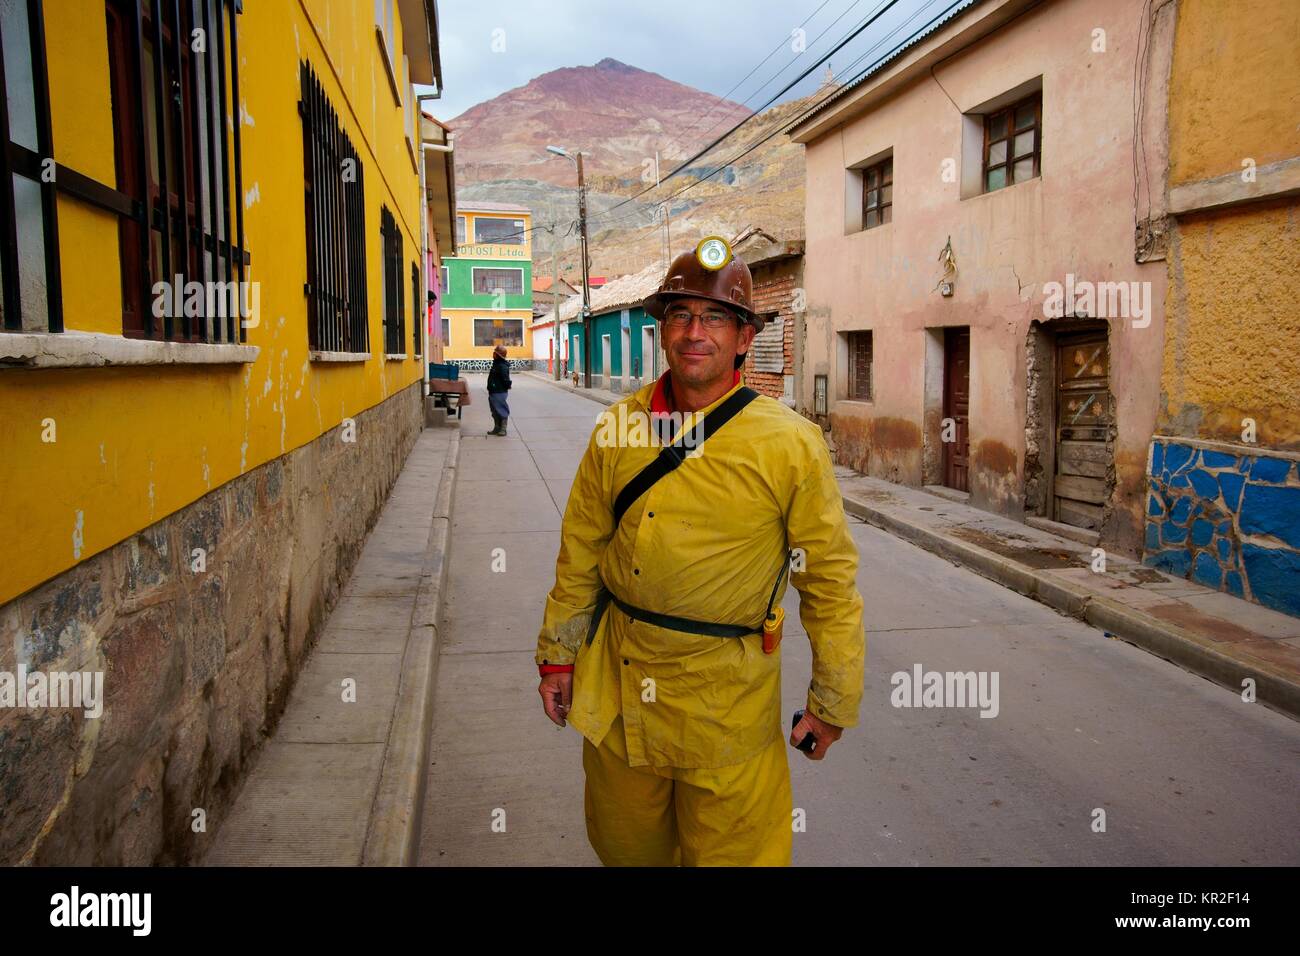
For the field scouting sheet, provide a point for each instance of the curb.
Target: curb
(393, 832)
(571, 390)
(1274, 687)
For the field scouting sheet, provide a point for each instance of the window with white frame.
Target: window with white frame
(508, 332)
(492, 281)
(501, 232)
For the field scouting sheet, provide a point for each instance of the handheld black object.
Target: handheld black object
(806, 745)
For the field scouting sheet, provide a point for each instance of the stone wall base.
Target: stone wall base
(199, 625)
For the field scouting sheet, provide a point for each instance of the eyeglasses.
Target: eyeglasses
(680, 318)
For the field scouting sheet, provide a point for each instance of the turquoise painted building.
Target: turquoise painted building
(625, 348)
(637, 350)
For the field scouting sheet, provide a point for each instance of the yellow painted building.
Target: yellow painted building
(1234, 183)
(488, 287)
(144, 423)
(1224, 471)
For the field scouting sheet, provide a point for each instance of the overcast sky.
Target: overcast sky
(707, 45)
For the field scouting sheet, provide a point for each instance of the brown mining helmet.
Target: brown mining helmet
(711, 272)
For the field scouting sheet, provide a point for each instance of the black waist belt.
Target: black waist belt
(670, 621)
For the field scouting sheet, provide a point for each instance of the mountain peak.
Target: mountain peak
(617, 114)
(609, 63)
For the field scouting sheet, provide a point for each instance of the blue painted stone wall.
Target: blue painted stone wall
(1228, 520)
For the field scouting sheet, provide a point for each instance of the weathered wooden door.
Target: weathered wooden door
(1083, 451)
(956, 406)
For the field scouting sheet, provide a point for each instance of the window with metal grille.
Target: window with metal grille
(335, 197)
(493, 281)
(860, 358)
(1012, 144)
(29, 250)
(417, 322)
(878, 194)
(394, 311)
(174, 77)
(501, 232)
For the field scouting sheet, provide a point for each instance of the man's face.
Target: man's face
(701, 341)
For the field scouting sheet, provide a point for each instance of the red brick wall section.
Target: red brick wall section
(774, 292)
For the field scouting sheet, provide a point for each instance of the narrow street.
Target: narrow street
(1186, 773)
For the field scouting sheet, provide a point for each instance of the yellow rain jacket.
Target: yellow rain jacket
(706, 542)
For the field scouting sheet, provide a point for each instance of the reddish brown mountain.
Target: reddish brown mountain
(616, 114)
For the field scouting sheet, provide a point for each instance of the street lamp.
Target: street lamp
(586, 289)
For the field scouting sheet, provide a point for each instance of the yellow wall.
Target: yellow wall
(461, 326)
(1232, 322)
(1233, 326)
(469, 249)
(1235, 88)
(134, 445)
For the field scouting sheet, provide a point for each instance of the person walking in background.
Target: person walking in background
(498, 384)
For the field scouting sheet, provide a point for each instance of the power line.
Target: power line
(780, 46)
(814, 107)
(610, 223)
(835, 49)
(871, 18)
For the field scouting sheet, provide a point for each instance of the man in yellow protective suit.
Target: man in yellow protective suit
(660, 640)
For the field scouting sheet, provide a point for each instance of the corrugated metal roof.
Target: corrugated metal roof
(912, 41)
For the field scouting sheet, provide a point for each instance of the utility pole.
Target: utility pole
(668, 236)
(582, 251)
(586, 289)
(668, 233)
(555, 290)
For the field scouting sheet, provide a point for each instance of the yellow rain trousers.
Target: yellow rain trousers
(652, 816)
(683, 730)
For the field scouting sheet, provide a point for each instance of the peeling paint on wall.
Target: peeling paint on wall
(78, 535)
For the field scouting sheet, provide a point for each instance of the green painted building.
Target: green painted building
(487, 287)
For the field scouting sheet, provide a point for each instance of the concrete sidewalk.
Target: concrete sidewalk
(504, 784)
(340, 782)
(1212, 634)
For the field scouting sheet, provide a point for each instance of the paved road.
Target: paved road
(1185, 771)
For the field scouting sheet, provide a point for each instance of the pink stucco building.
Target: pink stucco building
(983, 311)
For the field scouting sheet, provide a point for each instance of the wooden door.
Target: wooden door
(1083, 450)
(956, 406)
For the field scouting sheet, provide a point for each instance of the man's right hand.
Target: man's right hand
(557, 695)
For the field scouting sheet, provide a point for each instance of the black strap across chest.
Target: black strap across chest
(671, 456)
